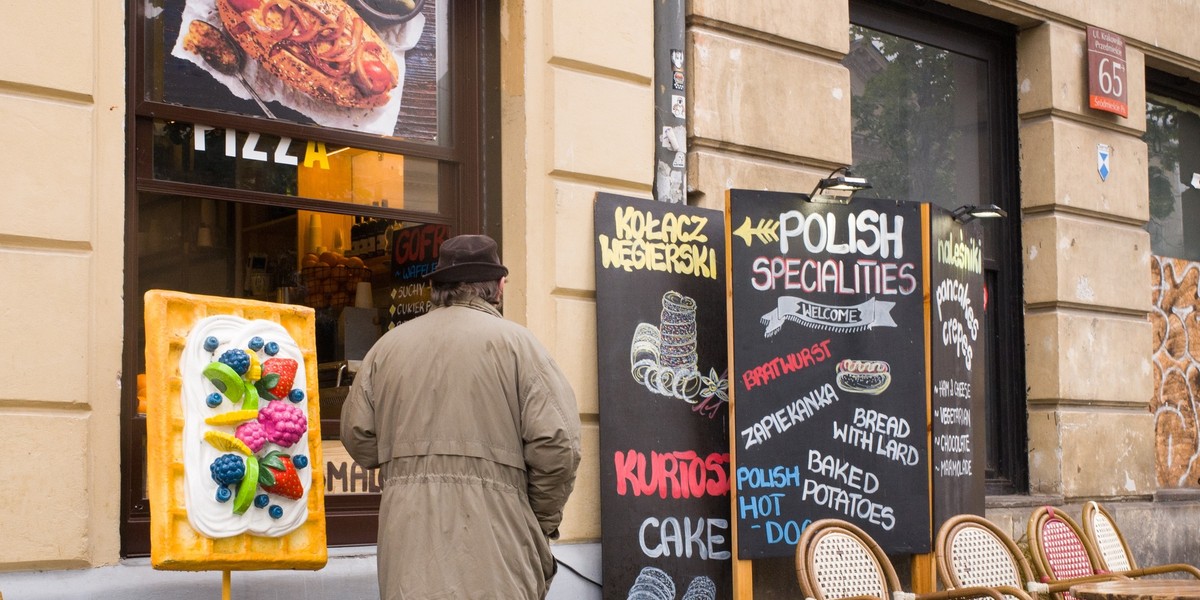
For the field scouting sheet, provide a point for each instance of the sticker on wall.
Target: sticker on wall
(1103, 152)
(678, 106)
(673, 138)
(677, 69)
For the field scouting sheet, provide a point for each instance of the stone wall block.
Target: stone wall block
(617, 35)
(1121, 465)
(574, 234)
(1066, 459)
(47, 201)
(1060, 168)
(574, 348)
(46, 506)
(712, 173)
(59, 315)
(1052, 75)
(820, 23)
(72, 26)
(1087, 357)
(581, 516)
(1087, 262)
(1045, 452)
(769, 98)
(1042, 369)
(594, 131)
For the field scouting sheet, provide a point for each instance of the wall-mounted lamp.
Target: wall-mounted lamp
(965, 214)
(840, 180)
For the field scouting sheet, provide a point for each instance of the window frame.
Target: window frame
(1177, 88)
(468, 183)
(994, 43)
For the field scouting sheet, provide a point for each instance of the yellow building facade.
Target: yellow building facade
(770, 93)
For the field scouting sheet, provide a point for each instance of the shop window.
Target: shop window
(329, 201)
(1173, 148)
(934, 120)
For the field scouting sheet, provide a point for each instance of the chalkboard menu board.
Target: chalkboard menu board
(828, 370)
(958, 364)
(414, 254)
(664, 428)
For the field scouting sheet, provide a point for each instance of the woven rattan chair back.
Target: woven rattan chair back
(1101, 530)
(973, 551)
(1059, 548)
(1112, 552)
(836, 559)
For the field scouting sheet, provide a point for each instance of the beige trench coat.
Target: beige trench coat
(476, 432)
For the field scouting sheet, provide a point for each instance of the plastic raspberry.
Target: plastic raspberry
(227, 469)
(236, 359)
(283, 421)
(252, 434)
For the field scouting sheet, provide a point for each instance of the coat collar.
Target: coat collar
(478, 304)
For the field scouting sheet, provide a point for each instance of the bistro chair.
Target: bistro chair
(836, 560)
(1112, 552)
(1060, 550)
(973, 551)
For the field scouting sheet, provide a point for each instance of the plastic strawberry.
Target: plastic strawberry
(278, 375)
(278, 476)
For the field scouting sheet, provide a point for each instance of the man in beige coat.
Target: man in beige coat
(475, 431)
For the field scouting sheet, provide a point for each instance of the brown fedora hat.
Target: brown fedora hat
(468, 258)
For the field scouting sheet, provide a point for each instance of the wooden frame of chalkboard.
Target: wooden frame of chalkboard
(829, 369)
(661, 360)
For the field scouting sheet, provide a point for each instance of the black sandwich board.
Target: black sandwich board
(958, 311)
(829, 371)
(664, 448)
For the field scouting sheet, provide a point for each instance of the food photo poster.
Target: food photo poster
(368, 66)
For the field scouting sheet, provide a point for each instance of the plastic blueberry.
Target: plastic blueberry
(300, 461)
(223, 494)
(256, 343)
(272, 348)
(262, 500)
(211, 343)
(276, 511)
(214, 400)
(296, 395)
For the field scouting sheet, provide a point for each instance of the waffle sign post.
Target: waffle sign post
(234, 461)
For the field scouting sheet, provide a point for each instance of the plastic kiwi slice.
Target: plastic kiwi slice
(247, 488)
(226, 380)
(251, 398)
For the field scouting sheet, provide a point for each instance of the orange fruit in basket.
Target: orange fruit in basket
(310, 260)
(355, 262)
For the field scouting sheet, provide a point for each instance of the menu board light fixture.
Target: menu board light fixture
(967, 213)
(840, 180)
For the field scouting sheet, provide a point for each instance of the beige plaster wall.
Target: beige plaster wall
(578, 119)
(61, 255)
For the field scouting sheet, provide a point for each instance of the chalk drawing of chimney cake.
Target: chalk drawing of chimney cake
(652, 584)
(701, 588)
(663, 357)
